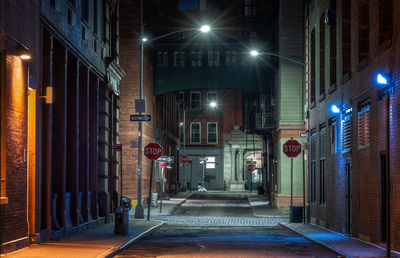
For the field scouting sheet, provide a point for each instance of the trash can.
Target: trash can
(126, 205)
(296, 214)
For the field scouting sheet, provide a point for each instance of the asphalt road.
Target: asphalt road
(208, 226)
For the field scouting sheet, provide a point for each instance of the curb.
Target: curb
(131, 241)
(329, 247)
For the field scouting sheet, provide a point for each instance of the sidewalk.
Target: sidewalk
(340, 244)
(261, 208)
(101, 241)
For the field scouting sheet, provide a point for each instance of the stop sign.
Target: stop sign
(292, 148)
(184, 158)
(153, 150)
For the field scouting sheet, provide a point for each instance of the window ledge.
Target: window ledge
(321, 97)
(312, 105)
(363, 63)
(363, 147)
(333, 88)
(345, 78)
(385, 45)
(3, 200)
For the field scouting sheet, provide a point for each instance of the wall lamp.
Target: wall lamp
(384, 79)
(49, 95)
(335, 109)
(23, 53)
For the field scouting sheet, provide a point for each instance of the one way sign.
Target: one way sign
(140, 117)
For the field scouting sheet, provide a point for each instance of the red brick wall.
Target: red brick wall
(366, 174)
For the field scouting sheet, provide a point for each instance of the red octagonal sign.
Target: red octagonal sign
(292, 148)
(153, 150)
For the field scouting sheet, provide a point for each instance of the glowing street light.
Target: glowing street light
(335, 109)
(254, 53)
(382, 79)
(205, 28)
(213, 104)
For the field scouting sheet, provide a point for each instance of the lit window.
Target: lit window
(346, 131)
(212, 132)
(195, 132)
(195, 101)
(363, 123)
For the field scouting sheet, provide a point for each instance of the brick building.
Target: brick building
(59, 117)
(353, 164)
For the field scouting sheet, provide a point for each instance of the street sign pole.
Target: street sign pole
(191, 176)
(120, 167)
(304, 189)
(151, 179)
(291, 181)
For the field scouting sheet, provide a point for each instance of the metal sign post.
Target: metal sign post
(151, 179)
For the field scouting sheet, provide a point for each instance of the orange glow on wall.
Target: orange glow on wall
(31, 159)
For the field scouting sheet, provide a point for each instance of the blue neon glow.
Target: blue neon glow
(335, 109)
(382, 79)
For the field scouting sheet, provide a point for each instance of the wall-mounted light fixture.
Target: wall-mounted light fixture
(49, 95)
(23, 53)
(385, 80)
(335, 109)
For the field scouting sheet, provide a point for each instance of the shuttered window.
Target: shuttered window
(313, 141)
(322, 142)
(346, 131)
(364, 124)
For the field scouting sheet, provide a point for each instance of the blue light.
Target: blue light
(335, 109)
(382, 79)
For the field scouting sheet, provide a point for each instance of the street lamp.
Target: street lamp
(255, 53)
(139, 211)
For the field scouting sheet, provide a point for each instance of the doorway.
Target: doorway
(383, 196)
(348, 198)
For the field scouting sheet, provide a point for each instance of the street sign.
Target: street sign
(292, 148)
(153, 150)
(184, 158)
(251, 167)
(117, 147)
(303, 135)
(140, 105)
(167, 159)
(140, 117)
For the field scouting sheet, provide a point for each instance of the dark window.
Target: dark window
(69, 17)
(363, 29)
(212, 132)
(162, 58)
(313, 49)
(104, 21)
(332, 47)
(322, 55)
(250, 8)
(85, 10)
(346, 37)
(385, 20)
(95, 10)
(53, 3)
(196, 59)
(195, 101)
(195, 132)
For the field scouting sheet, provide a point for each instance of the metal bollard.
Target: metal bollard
(125, 222)
(118, 221)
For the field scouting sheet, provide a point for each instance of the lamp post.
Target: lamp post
(256, 53)
(139, 211)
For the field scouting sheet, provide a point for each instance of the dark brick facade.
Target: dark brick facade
(355, 180)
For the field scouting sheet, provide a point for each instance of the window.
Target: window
(322, 157)
(196, 58)
(179, 58)
(53, 3)
(385, 20)
(195, 101)
(346, 131)
(211, 97)
(313, 69)
(313, 144)
(105, 21)
(346, 37)
(363, 29)
(162, 58)
(249, 8)
(213, 58)
(85, 10)
(333, 136)
(95, 9)
(182, 99)
(322, 55)
(212, 132)
(363, 123)
(195, 132)
(230, 58)
(332, 48)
